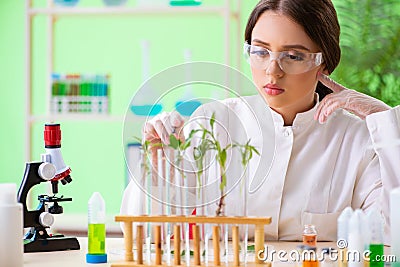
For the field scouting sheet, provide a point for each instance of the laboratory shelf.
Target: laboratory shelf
(98, 11)
(229, 11)
(77, 117)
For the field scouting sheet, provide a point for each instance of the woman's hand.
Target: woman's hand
(355, 102)
(159, 128)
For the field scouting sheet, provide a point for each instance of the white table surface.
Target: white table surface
(115, 253)
(75, 258)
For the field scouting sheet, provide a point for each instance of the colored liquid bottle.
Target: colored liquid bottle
(376, 244)
(310, 256)
(310, 235)
(96, 229)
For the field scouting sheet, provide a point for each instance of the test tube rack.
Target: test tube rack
(258, 222)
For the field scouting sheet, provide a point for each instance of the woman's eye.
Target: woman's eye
(295, 56)
(260, 53)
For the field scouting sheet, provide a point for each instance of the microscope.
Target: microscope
(51, 169)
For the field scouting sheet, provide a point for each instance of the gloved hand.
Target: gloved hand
(159, 128)
(355, 102)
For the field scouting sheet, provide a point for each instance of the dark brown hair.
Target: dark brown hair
(318, 19)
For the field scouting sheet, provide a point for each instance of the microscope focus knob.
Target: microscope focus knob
(47, 171)
(46, 219)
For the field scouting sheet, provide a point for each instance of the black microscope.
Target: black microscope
(51, 169)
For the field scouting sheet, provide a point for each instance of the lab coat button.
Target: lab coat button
(286, 132)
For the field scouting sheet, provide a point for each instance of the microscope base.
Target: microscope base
(54, 243)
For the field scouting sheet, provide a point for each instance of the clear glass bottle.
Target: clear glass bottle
(310, 235)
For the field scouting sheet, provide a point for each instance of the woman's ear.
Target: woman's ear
(323, 69)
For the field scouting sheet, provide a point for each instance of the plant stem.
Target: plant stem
(220, 211)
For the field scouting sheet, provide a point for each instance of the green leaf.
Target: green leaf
(185, 145)
(212, 120)
(173, 142)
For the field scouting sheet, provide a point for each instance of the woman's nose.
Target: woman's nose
(274, 68)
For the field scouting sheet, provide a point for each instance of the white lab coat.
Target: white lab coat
(316, 171)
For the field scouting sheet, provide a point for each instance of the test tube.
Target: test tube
(160, 178)
(148, 179)
(160, 184)
(199, 205)
(206, 228)
(143, 170)
(178, 185)
(178, 181)
(168, 204)
(224, 228)
(185, 209)
(186, 203)
(142, 204)
(245, 228)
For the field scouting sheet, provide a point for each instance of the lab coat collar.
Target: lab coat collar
(301, 118)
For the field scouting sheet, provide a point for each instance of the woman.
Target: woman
(325, 157)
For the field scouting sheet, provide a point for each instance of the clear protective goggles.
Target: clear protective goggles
(290, 62)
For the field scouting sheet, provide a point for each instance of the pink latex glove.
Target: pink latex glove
(159, 128)
(355, 102)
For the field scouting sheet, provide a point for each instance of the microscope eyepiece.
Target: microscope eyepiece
(52, 135)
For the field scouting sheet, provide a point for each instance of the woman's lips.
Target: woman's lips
(271, 89)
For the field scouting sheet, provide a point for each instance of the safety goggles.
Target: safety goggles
(290, 62)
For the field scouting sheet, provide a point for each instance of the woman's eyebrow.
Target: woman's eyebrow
(296, 46)
(261, 42)
(293, 46)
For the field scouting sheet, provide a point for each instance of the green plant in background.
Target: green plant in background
(370, 33)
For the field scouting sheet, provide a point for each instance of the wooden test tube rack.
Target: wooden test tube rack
(258, 222)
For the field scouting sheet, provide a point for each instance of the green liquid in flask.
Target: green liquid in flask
(96, 238)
